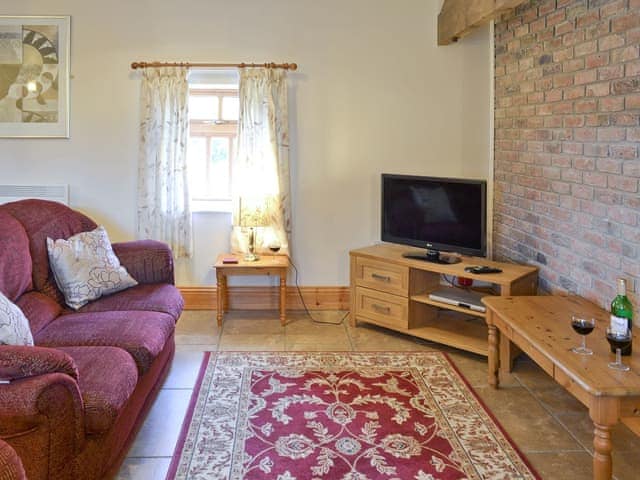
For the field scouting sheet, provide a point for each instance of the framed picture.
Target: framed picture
(34, 76)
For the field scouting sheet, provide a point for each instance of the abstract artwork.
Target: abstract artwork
(34, 76)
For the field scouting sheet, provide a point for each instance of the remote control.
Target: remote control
(480, 269)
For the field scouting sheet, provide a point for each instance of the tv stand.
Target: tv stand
(433, 256)
(391, 290)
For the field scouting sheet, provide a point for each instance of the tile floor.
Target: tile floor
(548, 425)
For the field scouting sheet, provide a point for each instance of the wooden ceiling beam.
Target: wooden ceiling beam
(458, 17)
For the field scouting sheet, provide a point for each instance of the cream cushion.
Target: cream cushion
(14, 326)
(85, 267)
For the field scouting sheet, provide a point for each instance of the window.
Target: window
(213, 129)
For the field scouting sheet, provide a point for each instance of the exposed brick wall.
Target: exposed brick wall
(567, 136)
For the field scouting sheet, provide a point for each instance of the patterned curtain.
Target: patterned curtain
(164, 212)
(260, 170)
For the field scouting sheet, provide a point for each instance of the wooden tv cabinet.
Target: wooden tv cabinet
(393, 292)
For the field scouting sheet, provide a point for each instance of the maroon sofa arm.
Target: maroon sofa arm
(41, 417)
(10, 465)
(148, 261)
(21, 361)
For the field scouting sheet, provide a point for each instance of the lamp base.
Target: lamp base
(251, 257)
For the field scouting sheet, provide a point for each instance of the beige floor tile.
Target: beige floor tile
(241, 323)
(186, 365)
(197, 321)
(252, 342)
(531, 375)
(557, 400)
(530, 426)
(581, 427)
(377, 339)
(475, 370)
(197, 327)
(562, 465)
(192, 339)
(251, 326)
(291, 345)
(319, 331)
(324, 323)
(144, 468)
(159, 433)
(626, 465)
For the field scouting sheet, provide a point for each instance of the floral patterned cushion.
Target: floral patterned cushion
(14, 326)
(85, 267)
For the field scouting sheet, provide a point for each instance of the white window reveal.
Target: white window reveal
(213, 123)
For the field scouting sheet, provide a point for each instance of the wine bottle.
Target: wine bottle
(622, 313)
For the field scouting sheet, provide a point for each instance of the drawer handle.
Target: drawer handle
(381, 309)
(382, 278)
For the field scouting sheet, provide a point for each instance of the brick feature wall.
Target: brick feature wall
(567, 136)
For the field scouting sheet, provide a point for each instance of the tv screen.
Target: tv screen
(447, 214)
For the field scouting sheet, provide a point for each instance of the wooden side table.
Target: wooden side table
(541, 327)
(266, 265)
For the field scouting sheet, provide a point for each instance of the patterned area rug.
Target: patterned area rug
(342, 416)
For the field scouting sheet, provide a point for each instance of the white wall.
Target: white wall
(373, 94)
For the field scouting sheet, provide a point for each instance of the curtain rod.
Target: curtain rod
(286, 66)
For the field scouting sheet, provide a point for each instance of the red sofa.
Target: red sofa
(10, 464)
(76, 398)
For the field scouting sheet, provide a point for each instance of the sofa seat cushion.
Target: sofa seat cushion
(142, 334)
(154, 297)
(107, 378)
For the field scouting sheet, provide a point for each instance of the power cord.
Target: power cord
(306, 309)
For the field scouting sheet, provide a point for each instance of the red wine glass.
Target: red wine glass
(619, 340)
(583, 326)
(274, 247)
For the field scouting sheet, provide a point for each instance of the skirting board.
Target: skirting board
(267, 298)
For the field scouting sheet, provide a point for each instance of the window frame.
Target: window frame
(209, 129)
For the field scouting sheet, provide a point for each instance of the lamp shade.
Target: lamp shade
(254, 211)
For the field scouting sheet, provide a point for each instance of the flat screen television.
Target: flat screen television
(438, 214)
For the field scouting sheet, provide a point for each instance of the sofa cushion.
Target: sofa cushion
(15, 259)
(153, 297)
(39, 309)
(42, 219)
(85, 267)
(107, 378)
(142, 334)
(14, 326)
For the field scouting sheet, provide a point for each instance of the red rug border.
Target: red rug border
(177, 452)
(493, 417)
(186, 423)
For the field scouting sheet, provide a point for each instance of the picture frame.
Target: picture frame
(34, 76)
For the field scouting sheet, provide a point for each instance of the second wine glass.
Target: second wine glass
(583, 326)
(619, 340)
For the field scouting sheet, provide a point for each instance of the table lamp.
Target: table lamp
(253, 213)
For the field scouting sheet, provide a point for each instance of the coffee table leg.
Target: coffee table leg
(283, 297)
(219, 296)
(494, 340)
(604, 412)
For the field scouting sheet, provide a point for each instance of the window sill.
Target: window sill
(220, 206)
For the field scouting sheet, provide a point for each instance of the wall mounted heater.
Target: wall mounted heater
(55, 193)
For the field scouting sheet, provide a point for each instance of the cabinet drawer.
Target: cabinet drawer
(383, 308)
(383, 276)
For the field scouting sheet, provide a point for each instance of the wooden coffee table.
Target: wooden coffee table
(541, 327)
(266, 265)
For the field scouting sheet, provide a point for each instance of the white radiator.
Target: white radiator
(55, 193)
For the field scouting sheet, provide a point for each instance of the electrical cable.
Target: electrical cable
(306, 309)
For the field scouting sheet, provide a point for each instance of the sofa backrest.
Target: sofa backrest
(41, 219)
(15, 259)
